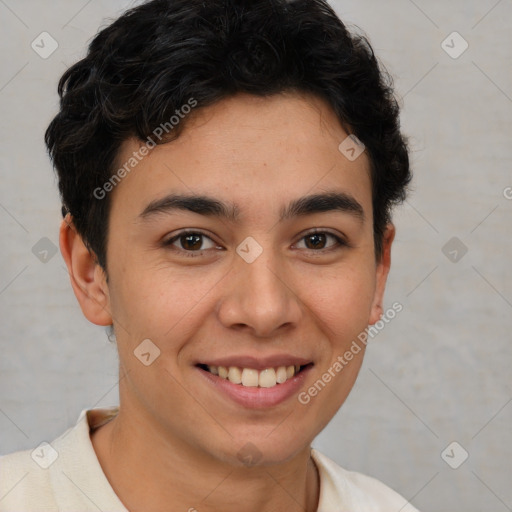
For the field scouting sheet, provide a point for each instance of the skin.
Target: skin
(174, 443)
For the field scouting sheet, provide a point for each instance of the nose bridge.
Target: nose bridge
(261, 297)
(264, 277)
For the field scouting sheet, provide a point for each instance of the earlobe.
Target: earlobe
(376, 313)
(382, 272)
(87, 277)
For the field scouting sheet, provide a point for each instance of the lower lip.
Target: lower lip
(256, 397)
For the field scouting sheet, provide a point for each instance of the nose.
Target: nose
(261, 297)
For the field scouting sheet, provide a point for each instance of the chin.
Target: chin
(264, 447)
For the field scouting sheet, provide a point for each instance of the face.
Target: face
(253, 276)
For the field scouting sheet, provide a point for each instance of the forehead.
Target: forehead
(250, 151)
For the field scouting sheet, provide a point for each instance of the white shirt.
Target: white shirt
(65, 475)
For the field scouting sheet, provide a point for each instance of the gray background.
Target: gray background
(438, 373)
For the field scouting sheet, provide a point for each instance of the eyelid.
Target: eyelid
(185, 232)
(340, 241)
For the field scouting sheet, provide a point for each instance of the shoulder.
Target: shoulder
(23, 483)
(354, 491)
(62, 475)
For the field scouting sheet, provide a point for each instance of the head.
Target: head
(228, 121)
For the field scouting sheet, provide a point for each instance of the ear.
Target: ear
(382, 271)
(87, 277)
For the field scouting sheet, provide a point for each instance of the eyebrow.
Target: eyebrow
(211, 207)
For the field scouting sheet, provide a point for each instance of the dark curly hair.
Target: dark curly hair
(148, 63)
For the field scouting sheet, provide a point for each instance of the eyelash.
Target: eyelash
(340, 243)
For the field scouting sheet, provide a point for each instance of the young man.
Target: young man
(227, 171)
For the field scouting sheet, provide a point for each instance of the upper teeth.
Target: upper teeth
(250, 377)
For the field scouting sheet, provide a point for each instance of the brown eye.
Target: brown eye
(189, 242)
(317, 240)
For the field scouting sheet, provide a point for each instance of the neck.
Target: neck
(151, 473)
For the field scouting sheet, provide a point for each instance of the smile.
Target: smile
(268, 385)
(251, 377)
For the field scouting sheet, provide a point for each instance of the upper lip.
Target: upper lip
(258, 363)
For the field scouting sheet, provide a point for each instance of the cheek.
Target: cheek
(155, 301)
(342, 299)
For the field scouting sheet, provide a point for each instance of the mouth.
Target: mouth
(255, 388)
(253, 378)
(254, 381)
